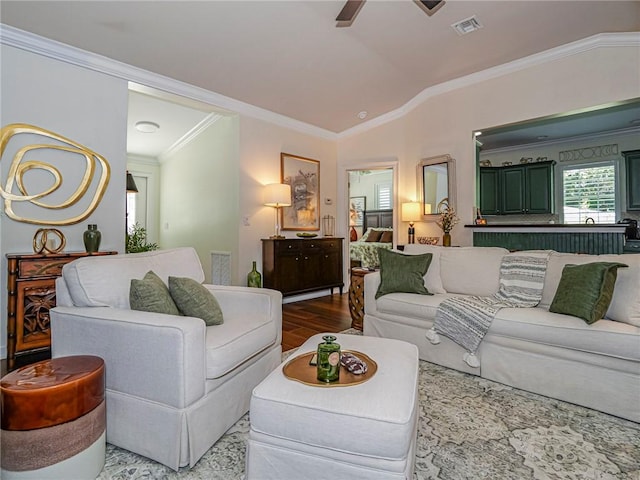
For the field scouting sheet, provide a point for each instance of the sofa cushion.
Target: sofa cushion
(432, 280)
(585, 291)
(402, 273)
(386, 237)
(366, 234)
(374, 236)
(194, 300)
(238, 339)
(471, 270)
(538, 325)
(410, 306)
(522, 278)
(104, 281)
(150, 294)
(625, 303)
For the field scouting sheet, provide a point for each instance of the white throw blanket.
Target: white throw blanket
(466, 320)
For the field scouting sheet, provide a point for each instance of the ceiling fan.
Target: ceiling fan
(350, 10)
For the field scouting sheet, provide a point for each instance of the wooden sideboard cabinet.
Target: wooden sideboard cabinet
(31, 294)
(295, 266)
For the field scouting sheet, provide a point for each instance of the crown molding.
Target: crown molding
(630, 39)
(190, 135)
(30, 42)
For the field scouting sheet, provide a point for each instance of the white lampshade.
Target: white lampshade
(411, 212)
(277, 195)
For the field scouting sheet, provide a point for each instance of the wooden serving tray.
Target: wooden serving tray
(299, 370)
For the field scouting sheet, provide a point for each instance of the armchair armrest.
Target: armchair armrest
(242, 301)
(154, 356)
(371, 283)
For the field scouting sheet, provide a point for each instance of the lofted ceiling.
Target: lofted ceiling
(289, 57)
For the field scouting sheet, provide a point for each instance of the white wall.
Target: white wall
(199, 194)
(85, 106)
(260, 146)
(444, 123)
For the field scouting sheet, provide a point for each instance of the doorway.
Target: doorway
(371, 205)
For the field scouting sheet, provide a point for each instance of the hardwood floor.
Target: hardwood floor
(301, 320)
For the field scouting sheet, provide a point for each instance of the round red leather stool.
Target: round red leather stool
(54, 420)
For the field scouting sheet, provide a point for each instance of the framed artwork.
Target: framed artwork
(303, 174)
(357, 207)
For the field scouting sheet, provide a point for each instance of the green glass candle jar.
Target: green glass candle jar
(328, 360)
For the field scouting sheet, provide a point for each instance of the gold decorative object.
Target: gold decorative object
(298, 369)
(19, 167)
(43, 244)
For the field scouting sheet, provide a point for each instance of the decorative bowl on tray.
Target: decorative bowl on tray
(306, 235)
(428, 240)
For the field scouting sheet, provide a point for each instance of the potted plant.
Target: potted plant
(136, 240)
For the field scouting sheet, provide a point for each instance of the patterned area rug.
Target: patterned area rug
(469, 428)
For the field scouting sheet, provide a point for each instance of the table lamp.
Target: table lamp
(277, 195)
(411, 214)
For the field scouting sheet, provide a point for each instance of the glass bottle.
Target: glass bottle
(328, 360)
(254, 279)
(91, 238)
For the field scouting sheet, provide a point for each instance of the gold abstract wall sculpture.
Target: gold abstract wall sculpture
(18, 168)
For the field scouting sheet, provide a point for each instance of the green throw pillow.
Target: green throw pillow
(151, 295)
(402, 273)
(194, 300)
(585, 291)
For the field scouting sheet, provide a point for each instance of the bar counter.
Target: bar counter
(591, 238)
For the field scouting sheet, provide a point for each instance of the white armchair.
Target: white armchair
(173, 385)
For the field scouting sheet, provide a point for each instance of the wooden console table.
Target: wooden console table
(295, 266)
(31, 294)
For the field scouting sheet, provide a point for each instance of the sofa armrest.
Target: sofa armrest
(241, 301)
(153, 356)
(371, 283)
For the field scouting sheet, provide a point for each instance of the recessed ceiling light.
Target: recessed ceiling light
(147, 127)
(362, 115)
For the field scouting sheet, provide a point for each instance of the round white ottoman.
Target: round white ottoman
(364, 431)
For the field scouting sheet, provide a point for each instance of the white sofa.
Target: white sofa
(560, 356)
(173, 385)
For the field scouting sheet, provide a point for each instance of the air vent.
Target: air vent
(467, 25)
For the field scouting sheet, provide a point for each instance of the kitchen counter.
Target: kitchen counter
(574, 238)
(549, 228)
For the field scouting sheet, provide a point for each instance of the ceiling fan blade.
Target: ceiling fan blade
(429, 6)
(349, 12)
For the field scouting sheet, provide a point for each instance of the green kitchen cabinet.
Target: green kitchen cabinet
(632, 161)
(512, 190)
(489, 191)
(518, 189)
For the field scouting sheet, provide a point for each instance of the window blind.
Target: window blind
(589, 192)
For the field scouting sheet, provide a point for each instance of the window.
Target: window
(589, 191)
(383, 196)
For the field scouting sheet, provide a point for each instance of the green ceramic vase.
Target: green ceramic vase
(91, 238)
